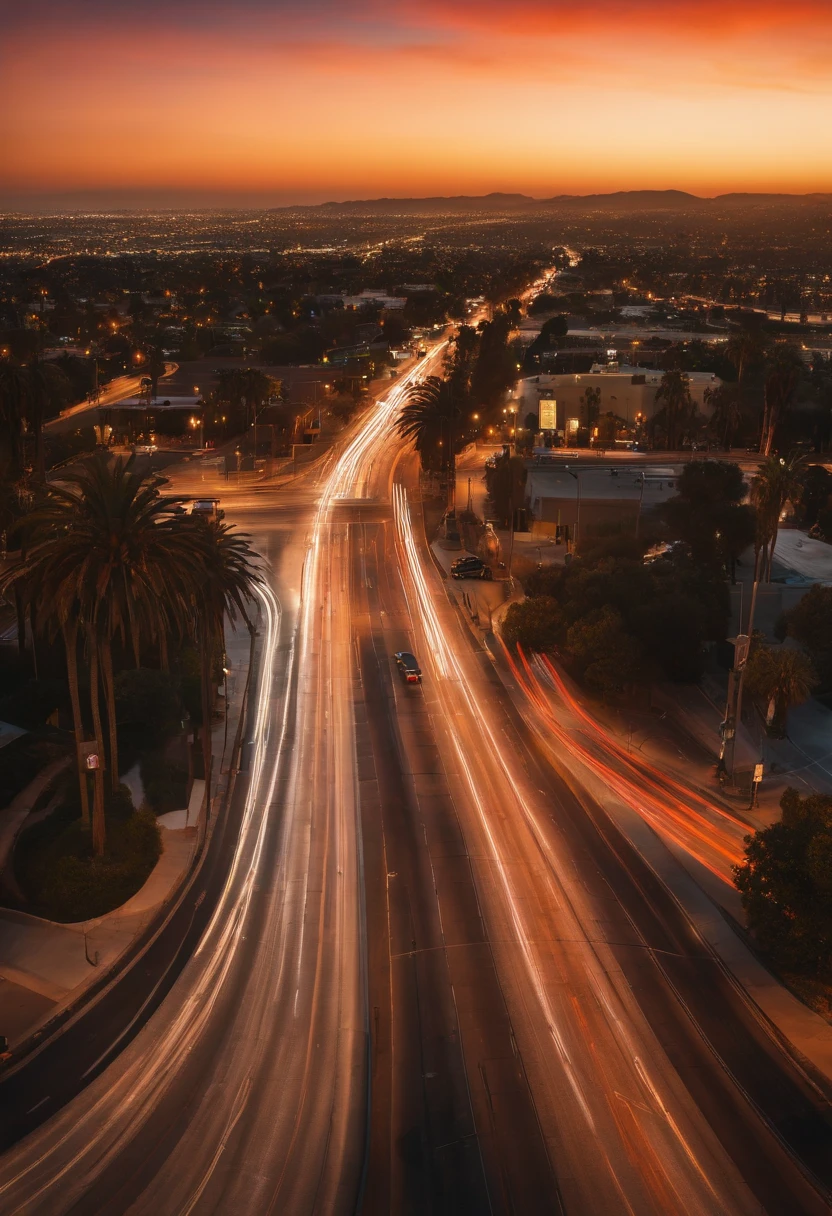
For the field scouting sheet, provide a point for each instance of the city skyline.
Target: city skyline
(280, 104)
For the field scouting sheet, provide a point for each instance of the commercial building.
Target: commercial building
(629, 392)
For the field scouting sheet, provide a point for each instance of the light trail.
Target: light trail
(94, 1136)
(665, 1165)
(312, 977)
(709, 833)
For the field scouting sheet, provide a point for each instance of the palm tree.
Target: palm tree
(779, 677)
(107, 558)
(430, 417)
(726, 414)
(591, 401)
(744, 348)
(36, 578)
(777, 481)
(224, 586)
(784, 367)
(677, 409)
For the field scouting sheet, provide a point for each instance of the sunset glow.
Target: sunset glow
(293, 101)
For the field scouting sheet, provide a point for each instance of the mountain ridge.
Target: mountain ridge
(496, 201)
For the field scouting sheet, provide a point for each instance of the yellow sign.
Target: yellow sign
(548, 414)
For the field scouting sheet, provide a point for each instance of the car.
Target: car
(144, 449)
(468, 560)
(471, 570)
(208, 508)
(409, 669)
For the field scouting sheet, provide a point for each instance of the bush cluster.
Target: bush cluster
(619, 622)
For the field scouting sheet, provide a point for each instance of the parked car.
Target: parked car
(409, 669)
(473, 569)
(468, 560)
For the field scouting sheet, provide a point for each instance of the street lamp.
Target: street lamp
(199, 422)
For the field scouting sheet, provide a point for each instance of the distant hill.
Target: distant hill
(620, 200)
(419, 206)
(629, 200)
(771, 200)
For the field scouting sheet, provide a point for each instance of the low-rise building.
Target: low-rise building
(560, 400)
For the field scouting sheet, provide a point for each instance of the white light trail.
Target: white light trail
(674, 1167)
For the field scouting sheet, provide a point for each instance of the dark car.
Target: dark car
(409, 669)
(468, 560)
(474, 569)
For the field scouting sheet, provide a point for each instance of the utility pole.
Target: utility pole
(640, 501)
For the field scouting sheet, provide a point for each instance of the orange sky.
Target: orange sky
(322, 99)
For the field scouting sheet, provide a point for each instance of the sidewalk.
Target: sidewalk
(45, 966)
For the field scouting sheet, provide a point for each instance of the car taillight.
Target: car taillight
(412, 679)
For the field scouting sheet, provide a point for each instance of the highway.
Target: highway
(433, 977)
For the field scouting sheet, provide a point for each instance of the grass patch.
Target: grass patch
(62, 879)
(812, 992)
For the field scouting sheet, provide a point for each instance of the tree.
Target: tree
(779, 677)
(745, 349)
(609, 424)
(786, 884)
(609, 656)
(784, 367)
(514, 312)
(815, 494)
(106, 558)
(544, 302)
(708, 513)
(431, 416)
(677, 410)
(810, 623)
(726, 413)
(506, 482)
(155, 367)
(494, 370)
(778, 480)
(224, 586)
(591, 406)
(535, 625)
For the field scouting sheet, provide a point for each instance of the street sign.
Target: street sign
(758, 773)
(741, 644)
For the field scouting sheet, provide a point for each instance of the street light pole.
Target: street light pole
(640, 501)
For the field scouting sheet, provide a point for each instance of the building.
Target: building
(629, 392)
(374, 298)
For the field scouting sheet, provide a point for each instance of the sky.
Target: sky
(285, 101)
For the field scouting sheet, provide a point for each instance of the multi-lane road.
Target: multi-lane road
(432, 977)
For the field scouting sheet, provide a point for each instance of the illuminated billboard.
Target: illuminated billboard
(548, 414)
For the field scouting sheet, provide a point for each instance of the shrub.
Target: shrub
(165, 784)
(61, 877)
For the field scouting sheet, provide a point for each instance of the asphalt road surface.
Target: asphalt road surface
(433, 977)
